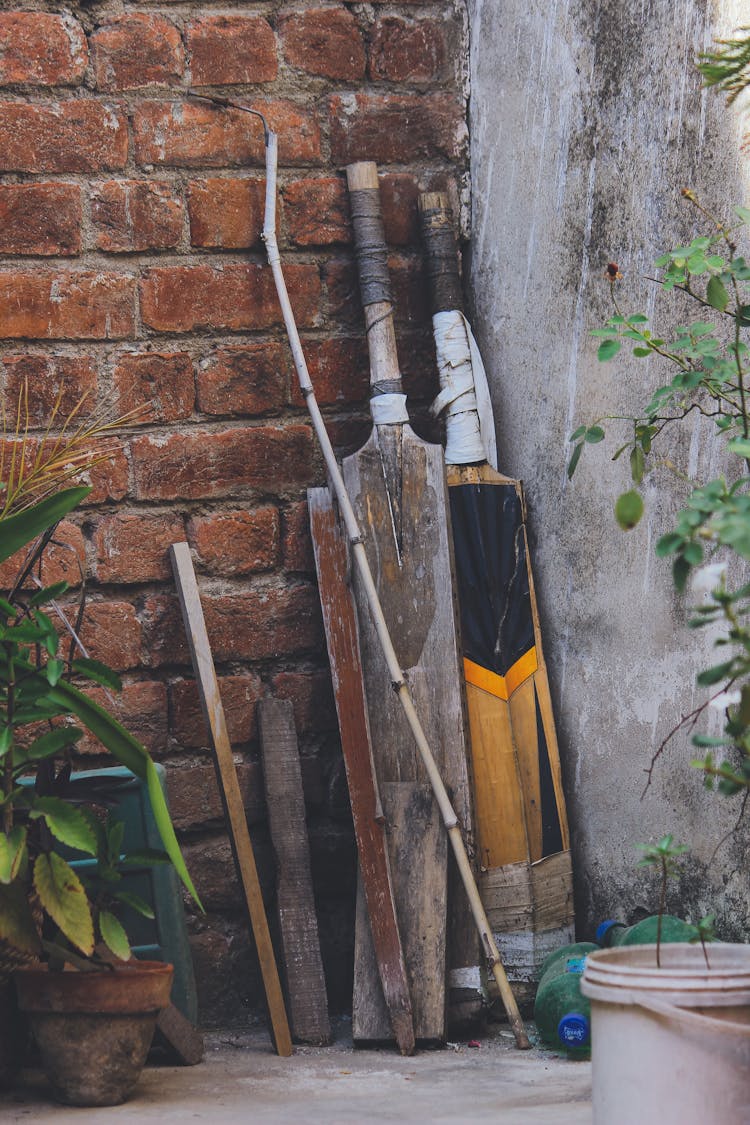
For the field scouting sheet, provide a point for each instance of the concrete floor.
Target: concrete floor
(242, 1080)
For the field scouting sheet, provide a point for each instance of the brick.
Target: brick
(64, 560)
(206, 465)
(243, 380)
(49, 385)
(161, 382)
(163, 631)
(41, 50)
(134, 547)
(227, 975)
(46, 305)
(111, 633)
(339, 370)
(194, 798)
(235, 297)
(316, 212)
(226, 50)
(202, 136)
(406, 50)
(264, 624)
(297, 544)
(131, 215)
(212, 867)
(258, 624)
(398, 200)
(324, 41)
(396, 129)
(141, 707)
(40, 219)
(137, 50)
(226, 213)
(312, 696)
(74, 136)
(109, 475)
(239, 696)
(236, 543)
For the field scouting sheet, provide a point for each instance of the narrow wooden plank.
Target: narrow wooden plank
(176, 1034)
(295, 903)
(340, 621)
(410, 812)
(226, 775)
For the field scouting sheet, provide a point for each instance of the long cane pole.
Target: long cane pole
(360, 559)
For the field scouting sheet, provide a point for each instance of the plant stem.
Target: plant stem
(662, 904)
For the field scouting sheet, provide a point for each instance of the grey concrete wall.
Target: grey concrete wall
(586, 120)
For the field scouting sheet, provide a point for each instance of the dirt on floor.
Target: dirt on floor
(242, 1080)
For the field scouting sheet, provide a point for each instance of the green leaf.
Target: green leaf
(48, 594)
(641, 352)
(66, 823)
(135, 902)
(743, 213)
(16, 921)
(714, 675)
(608, 349)
(98, 673)
(576, 457)
(166, 830)
(13, 853)
(740, 446)
(716, 293)
(54, 670)
(62, 895)
(53, 742)
(577, 434)
(668, 544)
(594, 434)
(637, 464)
(114, 936)
(145, 857)
(680, 570)
(16, 531)
(6, 740)
(629, 509)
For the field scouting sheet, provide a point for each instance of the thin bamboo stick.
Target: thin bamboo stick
(360, 558)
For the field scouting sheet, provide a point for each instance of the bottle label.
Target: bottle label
(575, 965)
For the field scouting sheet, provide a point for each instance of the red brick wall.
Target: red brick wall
(132, 267)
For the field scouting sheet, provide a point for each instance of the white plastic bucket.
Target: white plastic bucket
(670, 1045)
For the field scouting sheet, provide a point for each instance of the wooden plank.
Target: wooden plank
(410, 812)
(397, 487)
(176, 1034)
(340, 621)
(226, 775)
(295, 903)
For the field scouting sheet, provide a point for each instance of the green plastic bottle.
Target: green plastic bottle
(562, 1014)
(644, 932)
(561, 957)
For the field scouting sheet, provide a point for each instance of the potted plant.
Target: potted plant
(60, 934)
(671, 1025)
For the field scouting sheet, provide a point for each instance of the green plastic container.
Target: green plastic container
(564, 959)
(561, 1012)
(644, 932)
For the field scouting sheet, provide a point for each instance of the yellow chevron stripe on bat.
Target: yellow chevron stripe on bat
(502, 686)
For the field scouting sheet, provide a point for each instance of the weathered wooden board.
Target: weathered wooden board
(340, 621)
(295, 902)
(410, 812)
(179, 1038)
(398, 490)
(226, 775)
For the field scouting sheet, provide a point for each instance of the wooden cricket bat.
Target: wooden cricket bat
(521, 821)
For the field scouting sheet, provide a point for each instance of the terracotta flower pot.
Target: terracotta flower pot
(94, 1029)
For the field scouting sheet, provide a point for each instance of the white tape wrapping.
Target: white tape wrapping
(388, 410)
(464, 394)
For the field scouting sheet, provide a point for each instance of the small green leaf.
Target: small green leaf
(66, 823)
(62, 895)
(135, 902)
(54, 670)
(13, 853)
(715, 675)
(608, 349)
(576, 457)
(98, 672)
(637, 464)
(740, 446)
(680, 570)
(17, 926)
(594, 434)
(668, 544)
(629, 509)
(48, 594)
(52, 742)
(743, 213)
(641, 352)
(114, 936)
(716, 293)
(577, 434)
